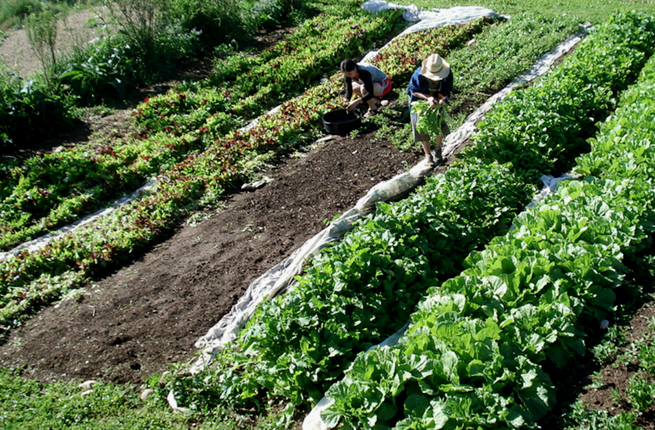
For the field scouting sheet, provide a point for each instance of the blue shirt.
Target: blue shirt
(420, 84)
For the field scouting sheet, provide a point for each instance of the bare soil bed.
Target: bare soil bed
(136, 321)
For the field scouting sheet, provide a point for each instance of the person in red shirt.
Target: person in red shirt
(366, 81)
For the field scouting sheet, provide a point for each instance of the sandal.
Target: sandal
(370, 113)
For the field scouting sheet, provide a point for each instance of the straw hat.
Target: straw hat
(435, 68)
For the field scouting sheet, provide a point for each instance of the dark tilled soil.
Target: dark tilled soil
(135, 322)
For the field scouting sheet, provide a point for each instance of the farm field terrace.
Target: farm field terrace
(84, 412)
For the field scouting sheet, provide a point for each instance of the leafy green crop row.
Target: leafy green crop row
(44, 193)
(364, 288)
(290, 67)
(499, 54)
(475, 350)
(27, 279)
(557, 116)
(250, 85)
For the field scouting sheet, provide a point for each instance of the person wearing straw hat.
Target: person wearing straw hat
(366, 81)
(432, 81)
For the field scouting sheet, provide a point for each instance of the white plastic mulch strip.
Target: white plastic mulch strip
(431, 19)
(36, 244)
(281, 276)
(313, 421)
(550, 186)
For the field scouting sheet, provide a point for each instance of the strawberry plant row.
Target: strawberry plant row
(47, 192)
(27, 279)
(476, 351)
(364, 288)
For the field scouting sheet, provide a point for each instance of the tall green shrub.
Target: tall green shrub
(140, 21)
(218, 21)
(27, 114)
(155, 35)
(269, 13)
(13, 12)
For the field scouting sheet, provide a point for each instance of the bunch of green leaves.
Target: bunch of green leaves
(640, 392)
(429, 120)
(608, 349)
(28, 112)
(615, 155)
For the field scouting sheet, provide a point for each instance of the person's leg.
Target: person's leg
(445, 131)
(372, 102)
(426, 149)
(380, 89)
(437, 148)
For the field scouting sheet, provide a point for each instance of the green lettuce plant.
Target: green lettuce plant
(525, 300)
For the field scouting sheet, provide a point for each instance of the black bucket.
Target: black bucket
(341, 121)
